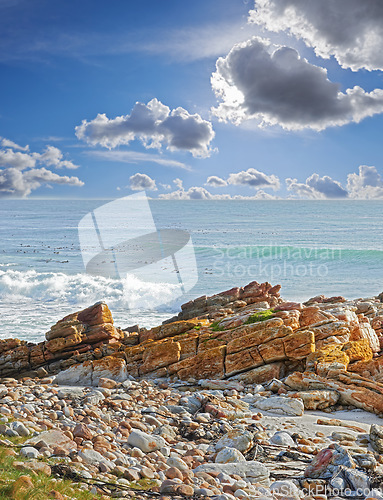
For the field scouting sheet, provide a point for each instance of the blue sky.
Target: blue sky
(203, 99)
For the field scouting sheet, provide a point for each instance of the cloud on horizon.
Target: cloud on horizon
(200, 193)
(278, 87)
(155, 125)
(349, 30)
(254, 178)
(19, 175)
(364, 185)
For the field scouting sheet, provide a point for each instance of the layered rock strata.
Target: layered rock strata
(249, 335)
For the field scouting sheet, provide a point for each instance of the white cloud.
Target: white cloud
(317, 187)
(281, 88)
(51, 157)
(142, 182)
(16, 159)
(137, 157)
(6, 143)
(215, 181)
(200, 193)
(155, 125)
(14, 182)
(366, 184)
(178, 182)
(254, 178)
(350, 30)
(261, 195)
(327, 186)
(303, 190)
(19, 175)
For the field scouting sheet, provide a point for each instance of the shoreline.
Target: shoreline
(241, 395)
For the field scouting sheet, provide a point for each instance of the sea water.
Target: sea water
(309, 247)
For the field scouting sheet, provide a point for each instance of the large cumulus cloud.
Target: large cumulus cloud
(278, 87)
(155, 124)
(317, 187)
(140, 182)
(366, 184)
(351, 30)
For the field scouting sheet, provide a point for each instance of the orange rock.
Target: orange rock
(243, 360)
(96, 315)
(160, 354)
(369, 369)
(65, 327)
(82, 431)
(208, 364)
(358, 350)
(369, 333)
(107, 383)
(168, 330)
(61, 343)
(37, 355)
(20, 487)
(56, 495)
(262, 373)
(188, 344)
(101, 332)
(247, 336)
(328, 355)
(313, 314)
(112, 367)
(353, 389)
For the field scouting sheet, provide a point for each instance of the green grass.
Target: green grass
(216, 327)
(42, 483)
(260, 316)
(143, 484)
(213, 338)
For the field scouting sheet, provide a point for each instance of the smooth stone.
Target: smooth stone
(237, 438)
(145, 442)
(281, 405)
(282, 438)
(286, 488)
(229, 455)
(93, 457)
(29, 452)
(251, 469)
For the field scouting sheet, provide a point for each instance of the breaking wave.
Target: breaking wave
(81, 290)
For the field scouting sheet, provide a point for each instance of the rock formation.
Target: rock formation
(248, 335)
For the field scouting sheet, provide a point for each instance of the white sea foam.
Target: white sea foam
(83, 289)
(31, 302)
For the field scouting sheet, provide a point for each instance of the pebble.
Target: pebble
(29, 452)
(138, 431)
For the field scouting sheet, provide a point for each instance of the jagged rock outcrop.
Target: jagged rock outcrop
(82, 336)
(236, 298)
(248, 335)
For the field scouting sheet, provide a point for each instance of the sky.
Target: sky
(212, 99)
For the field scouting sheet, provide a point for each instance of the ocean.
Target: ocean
(309, 247)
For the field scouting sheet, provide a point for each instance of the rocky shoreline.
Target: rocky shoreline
(233, 398)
